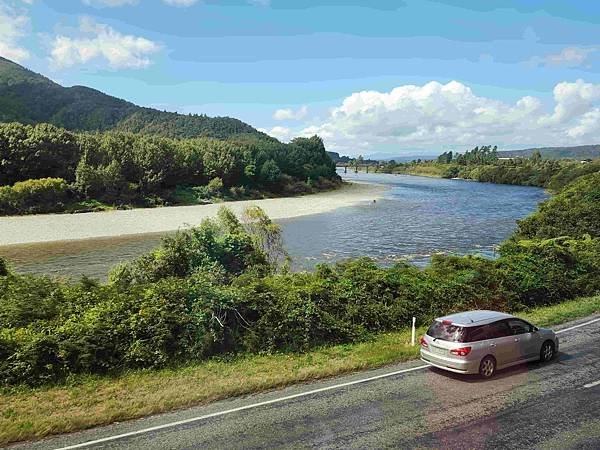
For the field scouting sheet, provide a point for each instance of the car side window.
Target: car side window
(480, 333)
(518, 326)
(499, 329)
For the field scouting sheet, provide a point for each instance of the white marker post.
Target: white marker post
(412, 339)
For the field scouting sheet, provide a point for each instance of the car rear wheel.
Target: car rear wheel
(547, 351)
(487, 367)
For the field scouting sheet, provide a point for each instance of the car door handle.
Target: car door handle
(492, 345)
(516, 339)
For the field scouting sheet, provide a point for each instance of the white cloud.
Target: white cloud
(184, 3)
(13, 26)
(572, 100)
(569, 56)
(290, 114)
(102, 42)
(438, 115)
(282, 133)
(588, 126)
(110, 3)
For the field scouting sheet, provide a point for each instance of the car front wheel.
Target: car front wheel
(487, 367)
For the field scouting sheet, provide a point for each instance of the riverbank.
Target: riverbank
(92, 401)
(64, 227)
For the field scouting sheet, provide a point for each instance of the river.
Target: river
(415, 217)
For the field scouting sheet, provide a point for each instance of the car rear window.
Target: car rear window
(447, 332)
(456, 333)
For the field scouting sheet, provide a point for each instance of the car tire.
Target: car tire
(487, 367)
(547, 351)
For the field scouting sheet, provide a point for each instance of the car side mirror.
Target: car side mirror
(534, 329)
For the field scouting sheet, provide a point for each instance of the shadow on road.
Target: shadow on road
(504, 373)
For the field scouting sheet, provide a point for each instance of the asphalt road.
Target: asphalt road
(554, 405)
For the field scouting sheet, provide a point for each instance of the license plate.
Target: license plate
(438, 350)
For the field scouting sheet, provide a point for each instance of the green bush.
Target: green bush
(34, 196)
(574, 212)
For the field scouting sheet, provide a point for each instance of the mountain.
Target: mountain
(579, 152)
(30, 98)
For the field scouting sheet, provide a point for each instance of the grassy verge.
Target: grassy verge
(425, 170)
(90, 401)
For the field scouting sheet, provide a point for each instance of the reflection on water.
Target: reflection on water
(418, 217)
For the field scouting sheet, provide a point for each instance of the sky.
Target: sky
(375, 77)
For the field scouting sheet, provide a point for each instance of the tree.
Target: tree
(270, 172)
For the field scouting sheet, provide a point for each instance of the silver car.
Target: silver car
(485, 341)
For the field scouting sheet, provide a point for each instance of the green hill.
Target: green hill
(579, 152)
(31, 98)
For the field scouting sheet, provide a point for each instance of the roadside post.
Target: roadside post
(412, 339)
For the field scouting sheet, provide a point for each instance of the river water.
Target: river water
(416, 217)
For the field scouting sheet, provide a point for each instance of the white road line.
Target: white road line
(241, 408)
(578, 326)
(589, 385)
(276, 400)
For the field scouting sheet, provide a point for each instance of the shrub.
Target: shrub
(34, 196)
(3, 267)
(574, 212)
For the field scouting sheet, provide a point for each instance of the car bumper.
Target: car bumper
(451, 364)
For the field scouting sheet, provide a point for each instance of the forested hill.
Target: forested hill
(31, 98)
(579, 152)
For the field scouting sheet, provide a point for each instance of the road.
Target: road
(554, 405)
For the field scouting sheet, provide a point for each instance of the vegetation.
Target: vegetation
(34, 196)
(88, 401)
(219, 299)
(30, 98)
(559, 217)
(131, 169)
(224, 288)
(578, 152)
(483, 164)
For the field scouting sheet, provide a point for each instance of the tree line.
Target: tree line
(126, 168)
(482, 164)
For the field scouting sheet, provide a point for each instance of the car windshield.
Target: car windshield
(447, 332)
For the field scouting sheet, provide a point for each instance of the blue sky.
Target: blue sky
(371, 77)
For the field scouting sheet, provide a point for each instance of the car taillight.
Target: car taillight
(463, 351)
(424, 342)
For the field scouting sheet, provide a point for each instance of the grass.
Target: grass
(426, 170)
(85, 402)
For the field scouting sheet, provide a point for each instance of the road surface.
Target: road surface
(554, 405)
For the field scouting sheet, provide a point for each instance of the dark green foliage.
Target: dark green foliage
(167, 151)
(578, 152)
(221, 247)
(40, 151)
(573, 212)
(445, 158)
(483, 155)
(124, 168)
(30, 98)
(542, 272)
